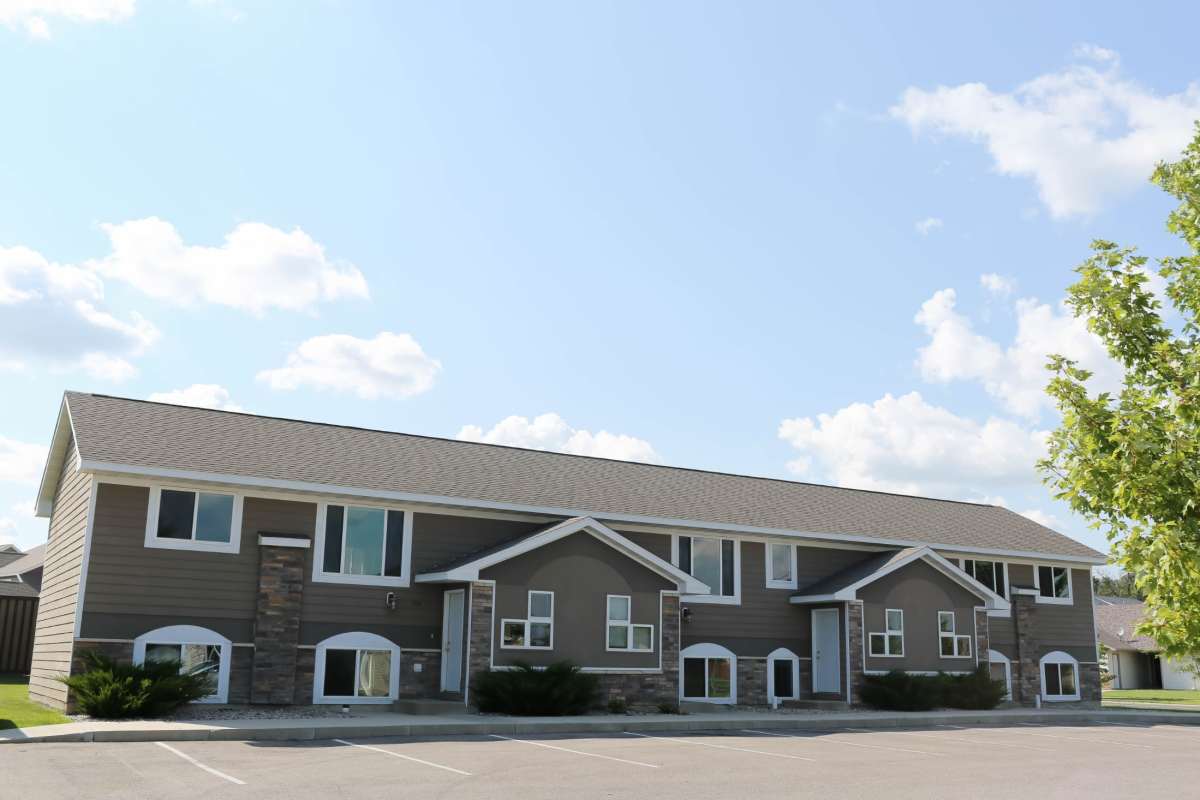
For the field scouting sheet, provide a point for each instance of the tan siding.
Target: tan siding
(55, 631)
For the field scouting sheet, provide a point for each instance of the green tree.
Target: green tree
(1129, 462)
(1121, 586)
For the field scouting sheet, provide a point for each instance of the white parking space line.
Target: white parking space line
(406, 758)
(576, 752)
(825, 740)
(1089, 740)
(204, 767)
(941, 739)
(719, 746)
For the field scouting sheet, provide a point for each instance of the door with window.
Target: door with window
(453, 605)
(826, 652)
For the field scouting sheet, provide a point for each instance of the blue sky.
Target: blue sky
(709, 235)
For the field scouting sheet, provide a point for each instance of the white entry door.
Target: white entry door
(826, 653)
(452, 640)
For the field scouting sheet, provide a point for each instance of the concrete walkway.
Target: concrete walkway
(394, 724)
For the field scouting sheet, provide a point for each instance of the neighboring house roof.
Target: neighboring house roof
(26, 562)
(9, 588)
(844, 585)
(116, 435)
(1116, 624)
(8, 554)
(468, 567)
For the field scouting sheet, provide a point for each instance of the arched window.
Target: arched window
(356, 668)
(1001, 669)
(1060, 677)
(198, 650)
(709, 674)
(783, 675)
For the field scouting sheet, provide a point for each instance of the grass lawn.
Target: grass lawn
(1153, 696)
(17, 710)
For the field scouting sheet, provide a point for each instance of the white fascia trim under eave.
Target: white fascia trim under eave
(55, 457)
(642, 519)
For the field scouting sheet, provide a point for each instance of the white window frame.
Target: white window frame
(708, 651)
(319, 575)
(954, 636)
(529, 619)
(713, 599)
(628, 624)
(782, 654)
(190, 634)
(357, 641)
(235, 524)
(772, 581)
(996, 657)
(1037, 584)
(887, 633)
(962, 563)
(1058, 658)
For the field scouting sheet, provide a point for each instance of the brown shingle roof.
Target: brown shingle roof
(1116, 623)
(156, 436)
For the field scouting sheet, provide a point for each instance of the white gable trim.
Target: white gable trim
(470, 571)
(64, 432)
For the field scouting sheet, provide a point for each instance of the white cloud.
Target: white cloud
(999, 285)
(551, 432)
(33, 14)
(53, 314)
(390, 365)
(256, 268)
(1094, 52)
(928, 225)
(1042, 518)
(1016, 375)
(905, 444)
(21, 462)
(1085, 135)
(200, 395)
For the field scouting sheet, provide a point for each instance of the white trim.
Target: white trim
(1007, 585)
(711, 598)
(1058, 657)
(782, 654)
(93, 490)
(319, 575)
(773, 583)
(529, 621)
(152, 540)
(446, 628)
(706, 651)
(1057, 601)
(444, 500)
(357, 641)
(190, 634)
(954, 636)
(55, 456)
(887, 633)
(629, 626)
(470, 571)
(919, 672)
(284, 541)
(996, 657)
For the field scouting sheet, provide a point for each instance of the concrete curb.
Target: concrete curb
(308, 731)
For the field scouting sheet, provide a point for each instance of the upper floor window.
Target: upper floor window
(781, 565)
(712, 561)
(183, 519)
(1053, 584)
(889, 643)
(953, 644)
(622, 634)
(536, 631)
(992, 574)
(363, 544)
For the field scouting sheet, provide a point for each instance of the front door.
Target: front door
(452, 640)
(826, 654)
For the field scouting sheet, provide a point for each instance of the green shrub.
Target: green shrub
(108, 690)
(900, 691)
(617, 705)
(561, 688)
(667, 707)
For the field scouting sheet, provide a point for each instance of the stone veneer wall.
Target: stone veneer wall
(1026, 682)
(240, 668)
(982, 636)
(277, 624)
(752, 681)
(648, 690)
(302, 691)
(479, 642)
(854, 638)
(805, 687)
(427, 682)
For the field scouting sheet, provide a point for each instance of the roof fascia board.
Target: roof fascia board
(89, 465)
(55, 457)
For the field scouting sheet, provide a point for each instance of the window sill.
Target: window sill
(401, 582)
(230, 547)
(793, 585)
(883, 655)
(524, 647)
(1060, 698)
(649, 651)
(1055, 601)
(955, 658)
(711, 599)
(353, 701)
(718, 701)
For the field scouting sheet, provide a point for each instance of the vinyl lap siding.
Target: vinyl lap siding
(55, 633)
(1056, 627)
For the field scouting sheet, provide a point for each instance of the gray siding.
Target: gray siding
(1056, 627)
(581, 571)
(54, 637)
(920, 591)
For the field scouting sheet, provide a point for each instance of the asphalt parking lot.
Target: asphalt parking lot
(1103, 760)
